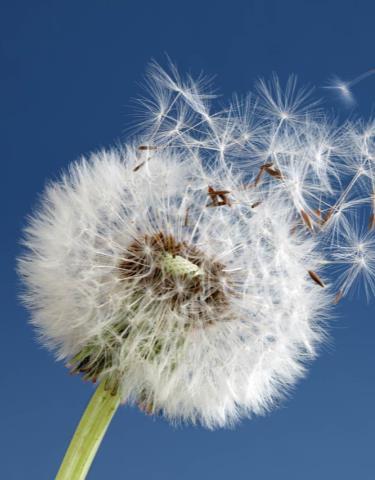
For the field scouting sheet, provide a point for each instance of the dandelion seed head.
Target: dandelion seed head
(207, 322)
(185, 268)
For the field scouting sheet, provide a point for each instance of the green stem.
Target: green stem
(89, 434)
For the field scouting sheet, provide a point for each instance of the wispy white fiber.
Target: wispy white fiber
(344, 89)
(185, 269)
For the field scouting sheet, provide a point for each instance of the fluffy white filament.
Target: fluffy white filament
(184, 270)
(212, 365)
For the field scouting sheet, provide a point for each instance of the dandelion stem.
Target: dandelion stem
(89, 434)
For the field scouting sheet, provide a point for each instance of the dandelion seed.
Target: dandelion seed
(353, 257)
(222, 194)
(307, 220)
(274, 172)
(262, 169)
(137, 167)
(371, 223)
(316, 278)
(343, 89)
(146, 147)
(328, 215)
(338, 297)
(289, 105)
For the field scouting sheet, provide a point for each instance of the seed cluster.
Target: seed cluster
(205, 285)
(185, 268)
(172, 272)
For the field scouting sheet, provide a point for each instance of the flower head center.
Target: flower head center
(176, 273)
(158, 274)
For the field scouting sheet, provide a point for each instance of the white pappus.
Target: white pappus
(183, 289)
(183, 270)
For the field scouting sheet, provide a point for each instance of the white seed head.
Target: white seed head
(184, 271)
(198, 309)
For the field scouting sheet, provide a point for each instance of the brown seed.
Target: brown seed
(146, 147)
(371, 222)
(259, 176)
(222, 194)
(256, 204)
(274, 172)
(338, 297)
(316, 278)
(328, 215)
(137, 167)
(307, 220)
(262, 169)
(213, 196)
(143, 148)
(320, 220)
(224, 199)
(213, 192)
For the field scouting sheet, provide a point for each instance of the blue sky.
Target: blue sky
(68, 73)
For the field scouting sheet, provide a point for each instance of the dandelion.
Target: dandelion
(344, 89)
(205, 321)
(183, 272)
